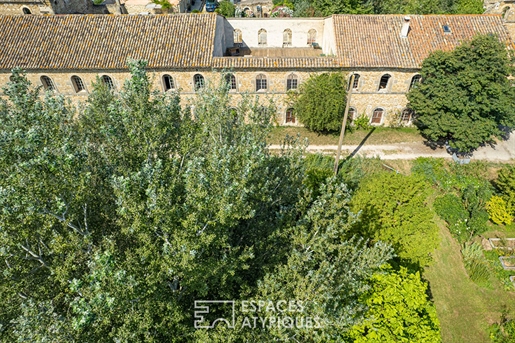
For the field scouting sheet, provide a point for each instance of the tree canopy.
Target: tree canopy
(307, 8)
(399, 311)
(115, 219)
(393, 209)
(320, 104)
(465, 97)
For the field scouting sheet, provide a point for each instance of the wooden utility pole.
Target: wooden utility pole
(344, 123)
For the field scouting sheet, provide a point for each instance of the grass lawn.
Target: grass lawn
(465, 309)
(379, 135)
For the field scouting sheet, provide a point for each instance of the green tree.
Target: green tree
(326, 7)
(325, 271)
(505, 183)
(116, 218)
(320, 104)
(226, 8)
(399, 311)
(393, 208)
(134, 207)
(465, 97)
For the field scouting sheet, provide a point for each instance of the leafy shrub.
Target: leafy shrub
(432, 169)
(450, 208)
(318, 169)
(505, 183)
(476, 263)
(165, 4)
(474, 199)
(226, 8)
(498, 210)
(503, 332)
(497, 270)
(394, 210)
(362, 122)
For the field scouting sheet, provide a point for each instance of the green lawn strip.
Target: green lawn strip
(465, 309)
(381, 135)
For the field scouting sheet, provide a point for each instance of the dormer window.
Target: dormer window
(446, 29)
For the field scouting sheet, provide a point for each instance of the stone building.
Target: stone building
(19, 7)
(13, 7)
(266, 57)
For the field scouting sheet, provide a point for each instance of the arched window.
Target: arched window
(26, 10)
(168, 82)
(414, 80)
(505, 10)
(287, 36)
(230, 79)
(108, 81)
(292, 82)
(406, 115)
(77, 83)
(198, 82)
(355, 83)
(352, 114)
(261, 82)
(238, 39)
(383, 83)
(377, 116)
(262, 37)
(290, 116)
(47, 83)
(312, 36)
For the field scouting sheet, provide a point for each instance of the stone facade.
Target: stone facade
(184, 46)
(365, 99)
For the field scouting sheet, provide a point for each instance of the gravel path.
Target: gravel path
(504, 151)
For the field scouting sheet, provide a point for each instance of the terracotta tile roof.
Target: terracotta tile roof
(276, 62)
(187, 41)
(374, 40)
(106, 41)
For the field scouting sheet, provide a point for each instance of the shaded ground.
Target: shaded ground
(465, 310)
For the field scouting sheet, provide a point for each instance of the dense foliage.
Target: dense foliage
(399, 311)
(226, 8)
(503, 332)
(465, 97)
(309, 8)
(463, 195)
(505, 185)
(394, 209)
(115, 219)
(320, 105)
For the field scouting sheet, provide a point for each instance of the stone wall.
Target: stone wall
(365, 99)
(54, 7)
(17, 8)
(275, 28)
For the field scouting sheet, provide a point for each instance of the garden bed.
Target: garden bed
(502, 243)
(508, 262)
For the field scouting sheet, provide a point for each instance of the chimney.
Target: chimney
(405, 27)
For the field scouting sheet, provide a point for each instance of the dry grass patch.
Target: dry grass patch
(380, 135)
